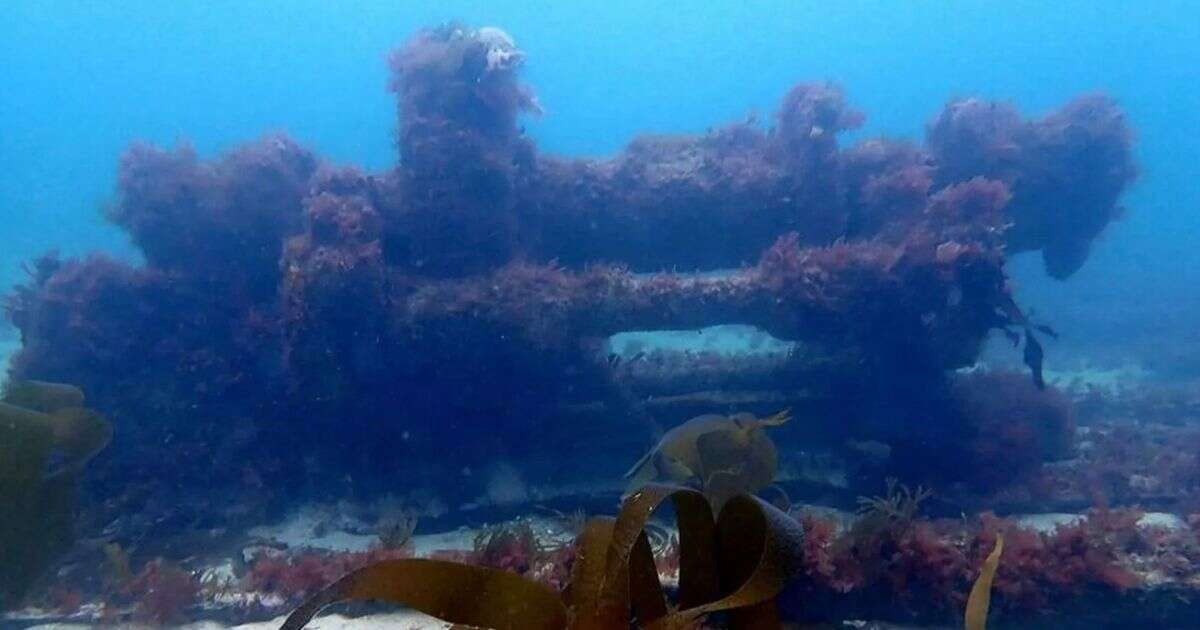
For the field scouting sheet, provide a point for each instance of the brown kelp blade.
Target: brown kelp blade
(760, 549)
(749, 552)
(736, 462)
(26, 440)
(77, 432)
(80, 434)
(587, 573)
(37, 420)
(605, 595)
(36, 529)
(981, 592)
(454, 592)
(26, 541)
(636, 588)
(42, 396)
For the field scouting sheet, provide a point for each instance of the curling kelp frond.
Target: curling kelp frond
(459, 593)
(724, 456)
(735, 462)
(42, 396)
(37, 421)
(748, 551)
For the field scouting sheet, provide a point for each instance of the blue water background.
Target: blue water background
(82, 80)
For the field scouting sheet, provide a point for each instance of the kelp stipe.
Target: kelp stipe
(737, 562)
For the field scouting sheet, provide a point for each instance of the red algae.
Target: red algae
(297, 576)
(923, 569)
(1081, 151)
(162, 591)
(330, 323)
(1038, 569)
(1014, 427)
(512, 547)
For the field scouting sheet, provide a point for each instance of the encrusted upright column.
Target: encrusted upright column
(460, 145)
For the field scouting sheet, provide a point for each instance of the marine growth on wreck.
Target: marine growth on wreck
(302, 331)
(474, 284)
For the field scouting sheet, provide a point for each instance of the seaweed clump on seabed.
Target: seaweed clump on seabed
(370, 320)
(736, 562)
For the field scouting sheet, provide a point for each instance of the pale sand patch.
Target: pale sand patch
(308, 528)
(401, 620)
(1047, 523)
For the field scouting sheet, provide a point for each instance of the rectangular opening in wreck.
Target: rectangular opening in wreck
(715, 366)
(727, 340)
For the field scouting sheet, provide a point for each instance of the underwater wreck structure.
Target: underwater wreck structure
(295, 317)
